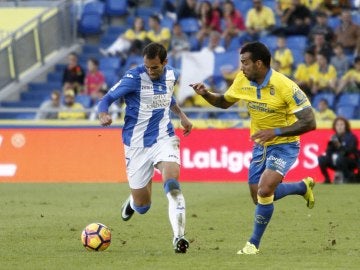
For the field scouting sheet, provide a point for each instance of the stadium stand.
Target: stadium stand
(92, 22)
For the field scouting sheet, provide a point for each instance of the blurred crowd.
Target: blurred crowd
(324, 59)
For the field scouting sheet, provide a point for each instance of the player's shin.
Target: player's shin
(263, 212)
(176, 207)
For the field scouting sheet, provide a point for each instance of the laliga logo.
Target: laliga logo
(233, 161)
(9, 169)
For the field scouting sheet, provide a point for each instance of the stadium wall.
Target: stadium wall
(82, 153)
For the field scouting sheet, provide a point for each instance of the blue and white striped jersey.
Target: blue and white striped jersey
(147, 113)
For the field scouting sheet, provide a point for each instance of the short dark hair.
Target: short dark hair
(258, 51)
(153, 49)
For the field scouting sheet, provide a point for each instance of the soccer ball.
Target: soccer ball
(96, 237)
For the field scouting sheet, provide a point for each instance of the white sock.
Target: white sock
(177, 214)
(132, 202)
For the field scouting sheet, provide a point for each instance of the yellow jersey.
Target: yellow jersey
(260, 20)
(130, 34)
(162, 37)
(321, 78)
(272, 104)
(352, 74)
(72, 113)
(286, 60)
(327, 115)
(303, 72)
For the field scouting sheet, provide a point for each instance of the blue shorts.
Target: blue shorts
(278, 157)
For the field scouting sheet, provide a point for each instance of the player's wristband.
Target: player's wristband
(277, 131)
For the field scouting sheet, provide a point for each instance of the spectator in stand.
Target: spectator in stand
(114, 109)
(339, 60)
(179, 43)
(313, 5)
(321, 25)
(283, 56)
(73, 75)
(296, 20)
(323, 112)
(94, 79)
(350, 81)
(210, 20)
(348, 33)
(341, 152)
(260, 20)
(214, 44)
(123, 44)
(234, 22)
(281, 6)
(157, 33)
(320, 45)
(71, 110)
(302, 74)
(334, 8)
(187, 9)
(325, 77)
(49, 108)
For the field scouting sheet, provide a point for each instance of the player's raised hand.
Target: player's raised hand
(105, 119)
(199, 88)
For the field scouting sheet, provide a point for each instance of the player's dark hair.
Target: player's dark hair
(152, 50)
(258, 51)
(346, 122)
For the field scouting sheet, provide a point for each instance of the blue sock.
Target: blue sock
(283, 190)
(263, 213)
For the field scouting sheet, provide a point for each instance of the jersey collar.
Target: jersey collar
(265, 82)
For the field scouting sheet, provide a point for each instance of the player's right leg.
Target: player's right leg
(139, 171)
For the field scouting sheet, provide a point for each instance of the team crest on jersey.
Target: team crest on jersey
(272, 90)
(298, 96)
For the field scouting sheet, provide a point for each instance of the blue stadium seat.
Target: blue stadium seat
(29, 96)
(111, 77)
(227, 60)
(110, 63)
(84, 100)
(116, 29)
(167, 22)
(243, 6)
(194, 43)
(116, 7)
(333, 22)
(269, 41)
(234, 44)
(90, 24)
(298, 56)
(44, 86)
(94, 7)
(55, 76)
(189, 25)
(296, 42)
(347, 111)
(147, 11)
(330, 97)
(350, 99)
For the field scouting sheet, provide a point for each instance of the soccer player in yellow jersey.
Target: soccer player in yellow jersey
(279, 112)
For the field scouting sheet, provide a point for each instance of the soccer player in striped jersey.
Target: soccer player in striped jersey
(149, 137)
(279, 112)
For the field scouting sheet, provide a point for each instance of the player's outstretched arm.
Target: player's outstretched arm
(214, 99)
(184, 120)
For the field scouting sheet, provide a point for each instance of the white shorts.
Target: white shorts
(140, 161)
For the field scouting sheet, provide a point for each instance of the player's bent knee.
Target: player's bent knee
(172, 186)
(265, 200)
(141, 209)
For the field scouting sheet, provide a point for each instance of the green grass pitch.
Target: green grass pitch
(40, 227)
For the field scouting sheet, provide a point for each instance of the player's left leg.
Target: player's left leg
(168, 162)
(170, 173)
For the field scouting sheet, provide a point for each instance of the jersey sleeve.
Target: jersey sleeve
(127, 84)
(231, 95)
(296, 98)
